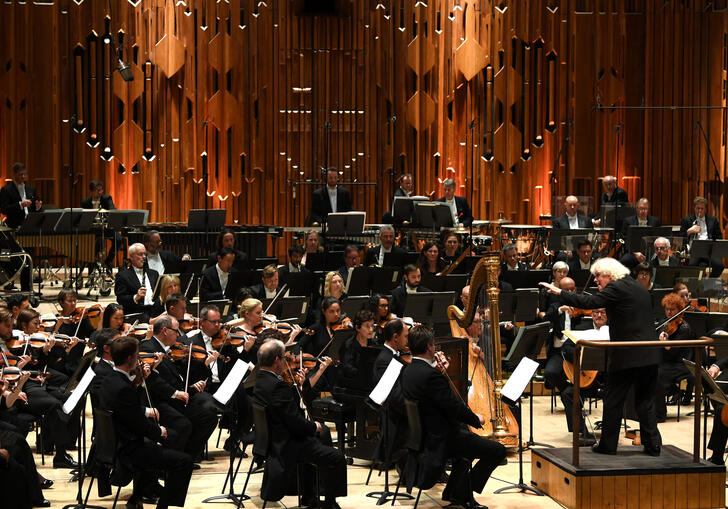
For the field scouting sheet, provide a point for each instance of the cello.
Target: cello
(486, 383)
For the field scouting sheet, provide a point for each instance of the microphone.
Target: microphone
(123, 67)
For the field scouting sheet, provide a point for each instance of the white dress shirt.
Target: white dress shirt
(144, 281)
(454, 209)
(21, 191)
(573, 221)
(223, 277)
(213, 367)
(332, 197)
(559, 342)
(382, 252)
(584, 266)
(703, 234)
(410, 289)
(664, 263)
(155, 262)
(269, 294)
(641, 222)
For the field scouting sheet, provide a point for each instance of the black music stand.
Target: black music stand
(614, 214)
(394, 260)
(345, 223)
(206, 219)
(668, 276)
(364, 280)
(657, 295)
(294, 308)
(404, 206)
(525, 278)
(352, 305)
(222, 304)
(557, 241)
(76, 221)
(433, 215)
(635, 234)
(32, 226)
(123, 220)
(300, 283)
(528, 343)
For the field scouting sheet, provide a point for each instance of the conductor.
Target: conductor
(629, 312)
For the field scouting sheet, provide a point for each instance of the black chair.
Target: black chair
(260, 450)
(414, 445)
(105, 449)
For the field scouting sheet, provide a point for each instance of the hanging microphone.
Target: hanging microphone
(123, 67)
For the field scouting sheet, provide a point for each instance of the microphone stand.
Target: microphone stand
(472, 170)
(205, 179)
(712, 159)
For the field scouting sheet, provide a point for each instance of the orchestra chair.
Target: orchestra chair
(105, 445)
(414, 446)
(261, 447)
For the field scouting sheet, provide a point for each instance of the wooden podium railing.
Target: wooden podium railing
(698, 344)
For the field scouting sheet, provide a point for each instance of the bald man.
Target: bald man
(572, 219)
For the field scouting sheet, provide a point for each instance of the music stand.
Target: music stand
(300, 283)
(558, 241)
(294, 309)
(526, 300)
(418, 306)
(525, 278)
(635, 234)
(403, 207)
(432, 215)
(614, 214)
(394, 260)
(657, 295)
(32, 226)
(352, 305)
(528, 343)
(668, 276)
(345, 223)
(206, 219)
(222, 304)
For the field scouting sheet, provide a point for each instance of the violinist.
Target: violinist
(444, 434)
(671, 369)
(175, 305)
(643, 274)
(333, 287)
(139, 437)
(311, 244)
(113, 318)
(189, 410)
(352, 259)
(295, 255)
(559, 348)
(214, 370)
(629, 311)
(105, 364)
(583, 259)
(395, 334)
(559, 270)
(52, 356)
(375, 255)
(42, 403)
(170, 285)
(294, 438)
(378, 305)
(362, 336)
(682, 291)
(319, 343)
(71, 324)
(251, 323)
(16, 303)
(134, 287)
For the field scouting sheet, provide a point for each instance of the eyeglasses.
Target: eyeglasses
(385, 305)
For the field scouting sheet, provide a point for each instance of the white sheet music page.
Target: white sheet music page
(519, 379)
(232, 381)
(601, 334)
(384, 387)
(79, 391)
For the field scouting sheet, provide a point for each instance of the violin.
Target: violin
(671, 325)
(88, 312)
(11, 359)
(578, 313)
(225, 337)
(35, 341)
(442, 365)
(295, 362)
(343, 324)
(188, 323)
(12, 375)
(271, 322)
(180, 351)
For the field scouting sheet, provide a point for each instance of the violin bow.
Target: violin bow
(189, 362)
(146, 389)
(673, 317)
(298, 390)
(78, 327)
(277, 296)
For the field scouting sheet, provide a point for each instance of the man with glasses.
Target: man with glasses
(183, 406)
(217, 367)
(351, 261)
(641, 218)
(662, 257)
(164, 262)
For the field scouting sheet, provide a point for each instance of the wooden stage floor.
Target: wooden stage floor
(548, 428)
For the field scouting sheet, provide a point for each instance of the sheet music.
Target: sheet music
(79, 391)
(384, 387)
(231, 383)
(519, 379)
(601, 334)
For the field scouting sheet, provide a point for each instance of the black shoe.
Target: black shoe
(134, 503)
(686, 399)
(652, 451)
(309, 501)
(238, 452)
(45, 484)
(64, 461)
(595, 448)
(717, 460)
(43, 502)
(586, 440)
(661, 418)
(149, 499)
(473, 504)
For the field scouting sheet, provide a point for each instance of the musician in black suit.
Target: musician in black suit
(139, 437)
(269, 285)
(217, 367)
(164, 262)
(412, 278)
(375, 255)
(293, 438)
(583, 259)
(510, 259)
(395, 334)
(215, 279)
(642, 218)
(612, 195)
(18, 199)
(352, 259)
(227, 239)
(183, 405)
(134, 287)
(332, 198)
(443, 417)
(629, 312)
(572, 219)
(295, 255)
(97, 199)
(719, 434)
(404, 190)
(461, 213)
(700, 226)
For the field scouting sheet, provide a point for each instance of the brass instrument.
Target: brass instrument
(504, 427)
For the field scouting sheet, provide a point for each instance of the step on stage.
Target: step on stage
(629, 479)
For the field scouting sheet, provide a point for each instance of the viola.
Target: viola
(180, 351)
(34, 341)
(87, 312)
(343, 324)
(271, 322)
(188, 323)
(12, 375)
(11, 359)
(295, 362)
(225, 337)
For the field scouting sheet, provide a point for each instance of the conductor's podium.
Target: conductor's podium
(629, 479)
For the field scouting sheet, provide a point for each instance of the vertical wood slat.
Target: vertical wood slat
(624, 58)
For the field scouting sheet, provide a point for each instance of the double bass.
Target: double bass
(486, 382)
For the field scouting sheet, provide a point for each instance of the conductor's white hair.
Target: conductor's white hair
(136, 247)
(609, 267)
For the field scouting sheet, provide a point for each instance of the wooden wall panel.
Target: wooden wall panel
(484, 91)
